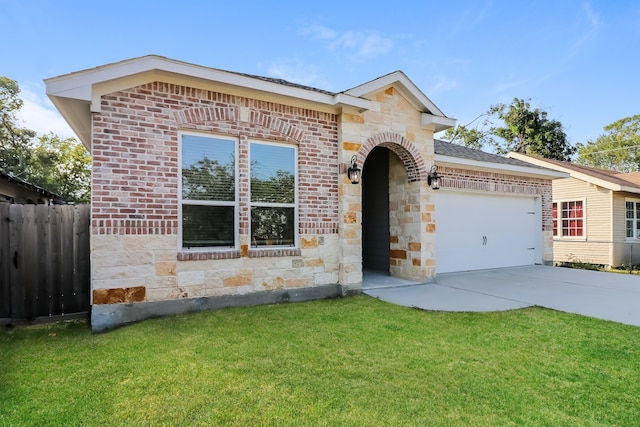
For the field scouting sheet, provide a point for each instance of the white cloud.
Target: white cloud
(39, 114)
(358, 45)
(592, 16)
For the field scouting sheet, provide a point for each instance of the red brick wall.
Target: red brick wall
(135, 155)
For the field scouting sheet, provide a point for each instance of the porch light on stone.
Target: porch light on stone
(354, 171)
(433, 179)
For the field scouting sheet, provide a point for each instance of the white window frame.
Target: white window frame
(296, 234)
(235, 204)
(636, 219)
(559, 203)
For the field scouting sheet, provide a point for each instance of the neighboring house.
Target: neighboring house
(596, 214)
(19, 191)
(212, 188)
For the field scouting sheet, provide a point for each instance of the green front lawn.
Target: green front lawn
(355, 361)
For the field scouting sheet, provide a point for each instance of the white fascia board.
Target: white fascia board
(81, 85)
(409, 89)
(437, 123)
(502, 167)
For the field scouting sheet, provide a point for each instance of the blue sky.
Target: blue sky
(577, 60)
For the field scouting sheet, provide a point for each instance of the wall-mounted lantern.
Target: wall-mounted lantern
(433, 179)
(354, 171)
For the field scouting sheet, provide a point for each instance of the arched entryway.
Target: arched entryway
(375, 211)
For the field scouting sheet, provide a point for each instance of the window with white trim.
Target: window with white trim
(568, 218)
(209, 193)
(273, 194)
(632, 218)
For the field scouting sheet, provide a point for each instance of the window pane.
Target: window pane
(207, 226)
(629, 228)
(272, 173)
(272, 226)
(208, 168)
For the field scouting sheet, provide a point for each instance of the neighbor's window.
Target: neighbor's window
(632, 209)
(208, 192)
(273, 194)
(568, 219)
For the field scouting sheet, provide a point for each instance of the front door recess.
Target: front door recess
(375, 210)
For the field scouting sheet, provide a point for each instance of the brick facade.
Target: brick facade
(135, 193)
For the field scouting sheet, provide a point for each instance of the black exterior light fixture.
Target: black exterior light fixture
(433, 179)
(354, 171)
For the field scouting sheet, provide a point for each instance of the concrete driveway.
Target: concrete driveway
(608, 296)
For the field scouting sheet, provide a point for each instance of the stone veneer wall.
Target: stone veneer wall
(134, 247)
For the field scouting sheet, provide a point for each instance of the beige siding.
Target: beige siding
(624, 251)
(597, 244)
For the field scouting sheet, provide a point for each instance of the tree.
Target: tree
(524, 130)
(61, 166)
(14, 140)
(617, 149)
(472, 137)
(529, 131)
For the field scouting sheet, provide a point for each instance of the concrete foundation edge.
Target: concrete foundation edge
(109, 316)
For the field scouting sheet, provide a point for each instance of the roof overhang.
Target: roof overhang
(78, 94)
(575, 174)
(509, 169)
(432, 117)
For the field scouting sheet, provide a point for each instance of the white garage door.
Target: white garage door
(477, 231)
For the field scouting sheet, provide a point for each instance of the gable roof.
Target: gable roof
(431, 114)
(446, 152)
(76, 95)
(612, 180)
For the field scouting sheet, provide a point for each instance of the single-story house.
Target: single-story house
(213, 188)
(16, 190)
(596, 214)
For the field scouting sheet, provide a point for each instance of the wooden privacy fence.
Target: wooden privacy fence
(44, 262)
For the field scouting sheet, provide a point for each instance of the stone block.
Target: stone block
(309, 242)
(398, 254)
(190, 278)
(119, 295)
(350, 218)
(351, 146)
(166, 268)
(415, 246)
(106, 243)
(243, 278)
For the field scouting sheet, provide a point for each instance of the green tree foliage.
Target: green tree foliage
(472, 137)
(529, 131)
(14, 140)
(62, 166)
(523, 129)
(617, 149)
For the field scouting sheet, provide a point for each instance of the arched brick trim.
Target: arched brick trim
(288, 130)
(202, 115)
(206, 114)
(403, 148)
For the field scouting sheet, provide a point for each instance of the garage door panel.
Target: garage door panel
(476, 231)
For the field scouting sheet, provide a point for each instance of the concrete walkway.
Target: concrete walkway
(608, 296)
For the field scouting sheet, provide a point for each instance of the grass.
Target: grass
(346, 362)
